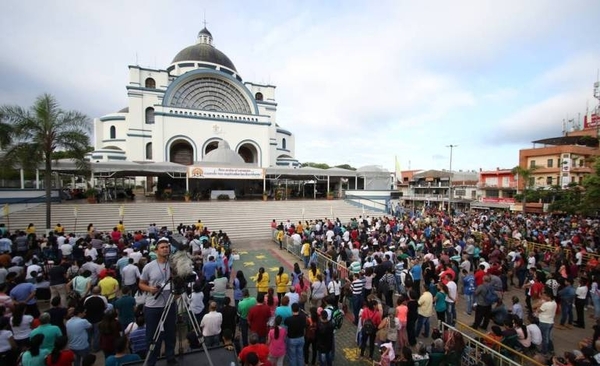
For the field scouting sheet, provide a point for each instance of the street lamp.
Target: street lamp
(450, 177)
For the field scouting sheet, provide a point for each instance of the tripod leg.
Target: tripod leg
(197, 330)
(159, 329)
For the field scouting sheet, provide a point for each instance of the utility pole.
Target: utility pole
(450, 177)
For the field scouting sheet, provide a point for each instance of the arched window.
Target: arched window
(283, 144)
(150, 83)
(113, 132)
(258, 96)
(149, 115)
(149, 151)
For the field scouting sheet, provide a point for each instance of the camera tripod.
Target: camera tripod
(180, 302)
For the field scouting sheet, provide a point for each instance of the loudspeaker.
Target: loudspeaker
(219, 356)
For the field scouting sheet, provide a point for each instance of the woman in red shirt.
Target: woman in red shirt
(370, 318)
(60, 356)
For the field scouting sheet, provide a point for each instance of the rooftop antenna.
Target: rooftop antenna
(204, 21)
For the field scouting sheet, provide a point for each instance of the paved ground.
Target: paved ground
(264, 253)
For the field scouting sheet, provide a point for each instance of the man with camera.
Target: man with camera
(153, 280)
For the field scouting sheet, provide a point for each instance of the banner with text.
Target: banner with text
(225, 173)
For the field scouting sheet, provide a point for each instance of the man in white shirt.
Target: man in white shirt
(136, 255)
(531, 260)
(90, 251)
(293, 296)
(130, 275)
(211, 326)
(546, 313)
(33, 267)
(451, 301)
(66, 249)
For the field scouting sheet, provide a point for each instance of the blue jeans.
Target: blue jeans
(325, 359)
(306, 260)
(295, 351)
(469, 301)
(399, 286)
(94, 337)
(450, 313)
(211, 341)
(566, 312)
(80, 354)
(422, 321)
(244, 331)
(596, 301)
(547, 344)
(152, 317)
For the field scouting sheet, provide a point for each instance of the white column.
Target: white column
(187, 182)
(356, 182)
(327, 185)
(22, 173)
(37, 179)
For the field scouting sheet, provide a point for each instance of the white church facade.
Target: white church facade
(184, 112)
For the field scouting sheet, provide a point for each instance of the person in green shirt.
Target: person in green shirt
(49, 331)
(244, 307)
(125, 306)
(35, 356)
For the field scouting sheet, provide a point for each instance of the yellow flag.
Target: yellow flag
(122, 210)
(75, 211)
(170, 211)
(6, 210)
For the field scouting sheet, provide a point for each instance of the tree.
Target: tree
(43, 129)
(5, 132)
(591, 196)
(524, 174)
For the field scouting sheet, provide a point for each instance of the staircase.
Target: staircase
(239, 219)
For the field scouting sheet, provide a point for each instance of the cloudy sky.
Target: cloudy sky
(358, 82)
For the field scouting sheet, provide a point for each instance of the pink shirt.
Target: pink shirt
(277, 346)
(402, 313)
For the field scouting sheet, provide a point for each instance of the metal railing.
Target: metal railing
(475, 349)
(506, 353)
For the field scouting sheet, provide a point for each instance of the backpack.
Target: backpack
(408, 279)
(337, 317)
(490, 296)
(368, 327)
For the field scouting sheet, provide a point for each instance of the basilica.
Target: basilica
(198, 111)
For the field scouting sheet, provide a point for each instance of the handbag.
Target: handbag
(140, 297)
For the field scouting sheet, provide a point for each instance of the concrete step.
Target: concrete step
(240, 219)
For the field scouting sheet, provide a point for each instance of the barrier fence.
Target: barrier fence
(475, 350)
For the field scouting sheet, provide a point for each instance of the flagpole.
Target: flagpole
(7, 214)
(75, 210)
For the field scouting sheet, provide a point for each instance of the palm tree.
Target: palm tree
(525, 175)
(43, 129)
(5, 132)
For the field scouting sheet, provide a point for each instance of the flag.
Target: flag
(122, 210)
(363, 208)
(75, 211)
(170, 211)
(302, 211)
(6, 209)
(331, 209)
(398, 171)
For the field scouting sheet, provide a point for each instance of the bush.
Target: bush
(223, 197)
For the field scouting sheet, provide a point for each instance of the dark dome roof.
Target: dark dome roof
(124, 110)
(205, 31)
(206, 53)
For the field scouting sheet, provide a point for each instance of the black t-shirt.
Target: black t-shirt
(229, 317)
(296, 325)
(325, 336)
(57, 317)
(56, 275)
(94, 309)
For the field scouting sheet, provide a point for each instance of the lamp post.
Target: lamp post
(450, 177)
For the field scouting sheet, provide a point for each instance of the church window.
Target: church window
(149, 151)
(149, 115)
(113, 132)
(150, 83)
(258, 96)
(283, 144)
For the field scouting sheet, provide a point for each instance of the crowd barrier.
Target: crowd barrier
(475, 350)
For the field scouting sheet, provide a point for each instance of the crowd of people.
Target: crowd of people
(393, 276)
(416, 268)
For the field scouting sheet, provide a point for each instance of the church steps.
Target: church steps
(240, 219)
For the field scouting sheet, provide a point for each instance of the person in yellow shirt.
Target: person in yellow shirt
(121, 227)
(281, 282)
(280, 236)
(262, 282)
(30, 229)
(313, 272)
(199, 226)
(59, 229)
(109, 286)
(305, 253)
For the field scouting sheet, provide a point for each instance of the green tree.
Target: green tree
(316, 165)
(591, 196)
(5, 132)
(524, 175)
(41, 130)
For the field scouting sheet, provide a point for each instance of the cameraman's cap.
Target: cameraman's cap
(162, 240)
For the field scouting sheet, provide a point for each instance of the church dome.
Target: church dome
(204, 51)
(224, 155)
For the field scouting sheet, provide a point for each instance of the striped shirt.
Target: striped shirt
(137, 340)
(357, 286)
